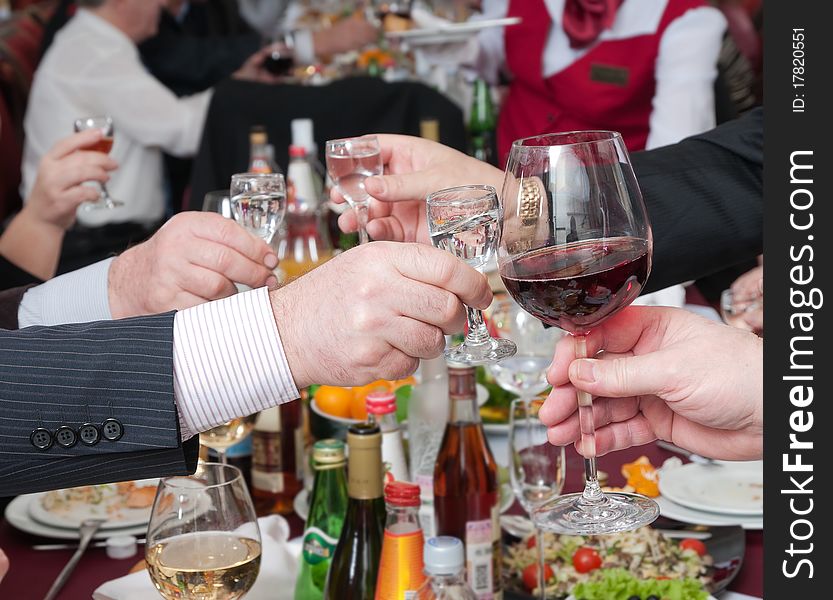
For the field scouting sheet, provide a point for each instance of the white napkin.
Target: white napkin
(276, 581)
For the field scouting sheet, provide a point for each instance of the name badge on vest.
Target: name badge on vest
(609, 74)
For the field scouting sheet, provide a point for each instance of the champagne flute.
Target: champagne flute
(576, 248)
(465, 221)
(224, 436)
(258, 202)
(349, 162)
(105, 144)
(536, 467)
(524, 374)
(203, 541)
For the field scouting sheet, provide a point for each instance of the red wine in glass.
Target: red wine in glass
(279, 63)
(577, 286)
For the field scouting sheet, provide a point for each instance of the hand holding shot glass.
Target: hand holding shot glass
(465, 221)
(258, 202)
(349, 162)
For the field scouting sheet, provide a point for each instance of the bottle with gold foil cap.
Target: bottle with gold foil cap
(355, 565)
(328, 505)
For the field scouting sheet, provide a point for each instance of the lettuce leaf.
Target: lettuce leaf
(619, 584)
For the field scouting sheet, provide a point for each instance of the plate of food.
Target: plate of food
(124, 504)
(446, 32)
(643, 563)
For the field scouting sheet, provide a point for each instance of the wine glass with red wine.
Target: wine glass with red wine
(575, 249)
(105, 144)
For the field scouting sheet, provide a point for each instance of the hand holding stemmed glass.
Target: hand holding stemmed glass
(536, 467)
(349, 162)
(104, 145)
(203, 540)
(465, 221)
(575, 249)
(258, 202)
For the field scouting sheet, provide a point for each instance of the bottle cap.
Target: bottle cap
(364, 435)
(328, 452)
(402, 493)
(121, 546)
(381, 403)
(443, 555)
(302, 134)
(257, 135)
(297, 151)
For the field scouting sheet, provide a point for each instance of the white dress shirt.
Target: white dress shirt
(228, 357)
(92, 68)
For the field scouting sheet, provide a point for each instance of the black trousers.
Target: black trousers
(84, 246)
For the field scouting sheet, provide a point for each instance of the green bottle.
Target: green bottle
(482, 123)
(328, 506)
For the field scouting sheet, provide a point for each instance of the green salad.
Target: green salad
(619, 584)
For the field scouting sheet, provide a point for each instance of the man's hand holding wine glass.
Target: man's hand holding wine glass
(664, 374)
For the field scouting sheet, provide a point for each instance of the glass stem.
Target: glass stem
(539, 542)
(592, 490)
(223, 457)
(361, 219)
(477, 332)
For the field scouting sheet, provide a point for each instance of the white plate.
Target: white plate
(17, 514)
(672, 510)
(728, 488)
(451, 32)
(301, 501)
(72, 519)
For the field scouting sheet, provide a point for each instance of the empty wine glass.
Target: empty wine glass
(465, 221)
(575, 249)
(105, 144)
(524, 374)
(349, 162)
(224, 436)
(536, 467)
(258, 202)
(203, 541)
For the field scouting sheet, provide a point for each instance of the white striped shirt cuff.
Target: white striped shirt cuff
(77, 297)
(228, 361)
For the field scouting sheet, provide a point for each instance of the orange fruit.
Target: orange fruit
(395, 385)
(334, 400)
(358, 409)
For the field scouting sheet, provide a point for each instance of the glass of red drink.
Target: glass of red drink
(105, 144)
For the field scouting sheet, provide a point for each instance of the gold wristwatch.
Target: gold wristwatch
(530, 205)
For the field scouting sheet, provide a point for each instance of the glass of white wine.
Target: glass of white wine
(224, 436)
(203, 541)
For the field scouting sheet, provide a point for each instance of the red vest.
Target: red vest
(610, 87)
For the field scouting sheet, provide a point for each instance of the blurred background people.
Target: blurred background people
(50, 209)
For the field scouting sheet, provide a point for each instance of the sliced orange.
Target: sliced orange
(334, 400)
(395, 385)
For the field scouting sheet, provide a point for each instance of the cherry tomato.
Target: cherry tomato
(586, 559)
(531, 542)
(530, 576)
(696, 545)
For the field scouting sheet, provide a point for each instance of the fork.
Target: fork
(86, 532)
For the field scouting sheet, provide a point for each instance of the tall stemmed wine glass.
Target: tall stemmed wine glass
(525, 374)
(465, 221)
(105, 144)
(536, 467)
(349, 162)
(576, 248)
(258, 202)
(203, 541)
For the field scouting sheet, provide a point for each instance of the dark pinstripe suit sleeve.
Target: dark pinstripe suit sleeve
(705, 200)
(71, 374)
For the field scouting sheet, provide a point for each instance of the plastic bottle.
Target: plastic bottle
(445, 568)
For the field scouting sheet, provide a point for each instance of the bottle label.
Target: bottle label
(400, 568)
(267, 471)
(318, 546)
(480, 558)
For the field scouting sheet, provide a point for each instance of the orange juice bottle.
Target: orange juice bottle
(401, 566)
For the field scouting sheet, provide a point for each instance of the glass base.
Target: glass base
(571, 514)
(103, 203)
(492, 351)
